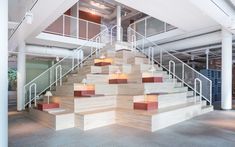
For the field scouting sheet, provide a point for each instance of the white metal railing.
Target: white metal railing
(50, 77)
(70, 26)
(172, 63)
(150, 26)
(181, 71)
(197, 80)
(30, 92)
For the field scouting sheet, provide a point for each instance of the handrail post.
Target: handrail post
(195, 89)
(161, 56)
(78, 21)
(210, 92)
(60, 78)
(149, 55)
(50, 78)
(145, 27)
(73, 62)
(183, 72)
(98, 41)
(133, 42)
(63, 24)
(30, 93)
(111, 35)
(86, 30)
(170, 72)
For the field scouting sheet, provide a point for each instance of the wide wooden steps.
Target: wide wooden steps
(93, 119)
(112, 103)
(57, 121)
(157, 119)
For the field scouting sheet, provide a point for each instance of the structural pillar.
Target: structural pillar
(21, 76)
(4, 73)
(226, 91)
(119, 24)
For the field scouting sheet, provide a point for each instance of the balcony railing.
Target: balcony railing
(150, 26)
(74, 27)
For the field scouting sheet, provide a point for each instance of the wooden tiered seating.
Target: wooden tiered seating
(148, 102)
(42, 106)
(118, 78)
(122, 99)
(148, 77)
(103, 62)
(84, 90)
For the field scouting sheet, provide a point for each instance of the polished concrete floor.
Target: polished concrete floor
(215, 129)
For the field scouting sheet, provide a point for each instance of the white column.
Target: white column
(4, 73)
(119, 24)
(21, 76)
(207, 58)
(226, 91)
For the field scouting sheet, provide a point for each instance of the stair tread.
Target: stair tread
(96, 111)
(161, 110)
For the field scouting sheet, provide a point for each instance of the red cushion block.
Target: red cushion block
(152, 80)
(145, 105)
(84, 93)
(102, 63)
(42, 106)
(117, 81)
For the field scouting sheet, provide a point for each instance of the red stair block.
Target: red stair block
(42, 106)
(102, 63)
(84, 93)
(145, 105)
(117, 81)
(152, 80)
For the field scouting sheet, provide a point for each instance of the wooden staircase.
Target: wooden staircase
(113, 103)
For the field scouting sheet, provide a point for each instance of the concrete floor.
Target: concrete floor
(215, 129)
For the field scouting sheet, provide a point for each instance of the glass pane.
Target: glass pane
(82, 29)
(70, 26)
(154, 26)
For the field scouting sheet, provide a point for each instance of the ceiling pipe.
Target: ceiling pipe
(47, 51)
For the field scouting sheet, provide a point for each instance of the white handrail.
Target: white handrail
(200, 88)
(56, 66)
(98, 40)
(173, 73)
(183, 64)
(60, 72)
(30, 93)
(133, 43)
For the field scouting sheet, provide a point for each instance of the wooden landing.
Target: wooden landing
(57, 121)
